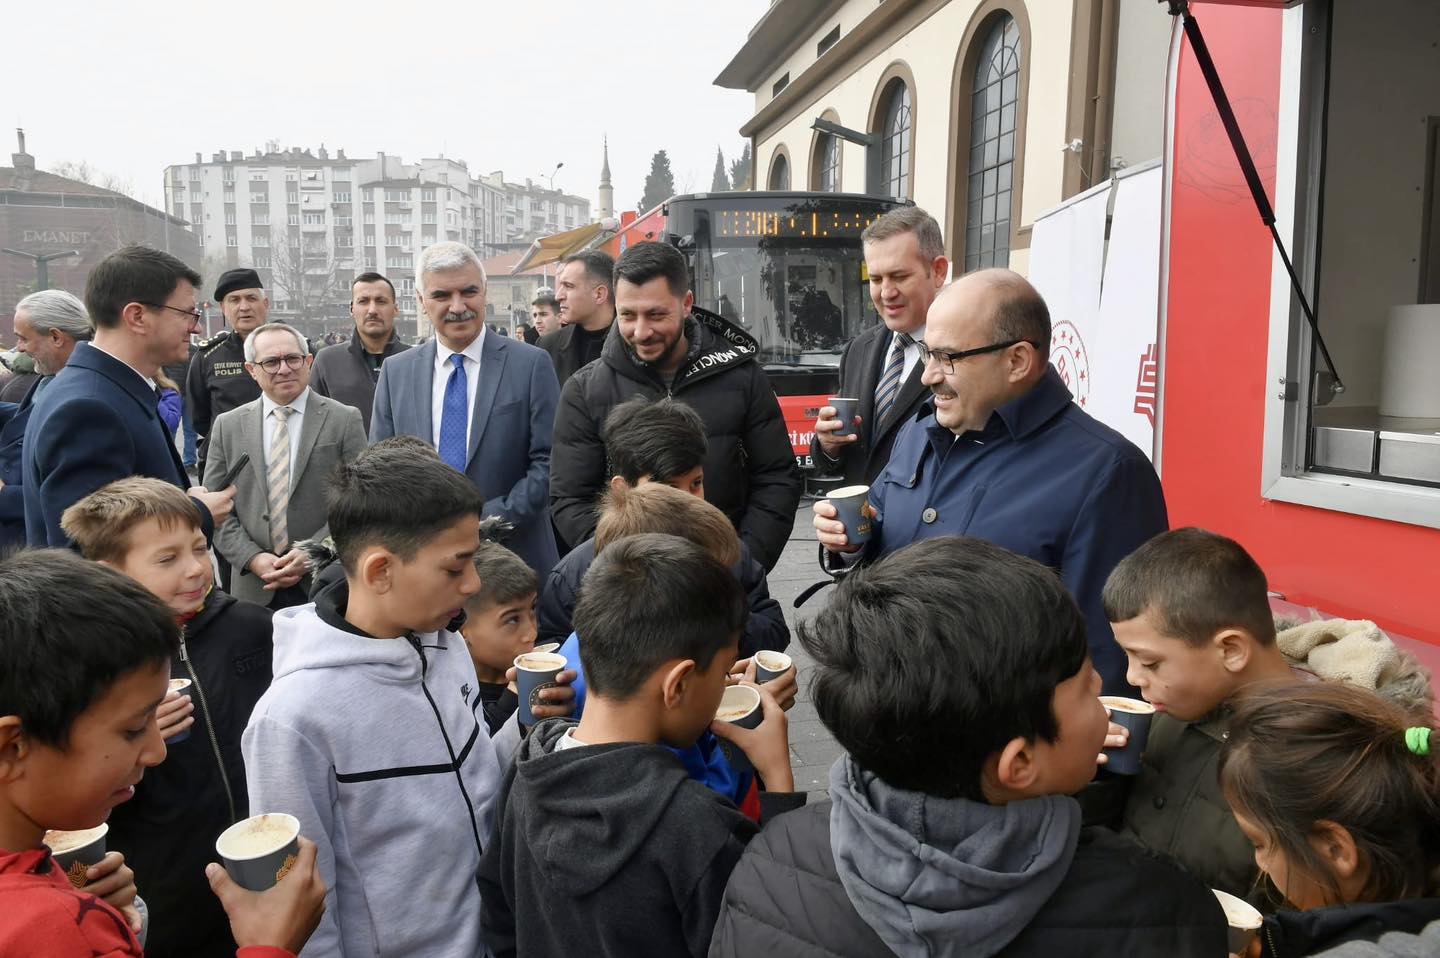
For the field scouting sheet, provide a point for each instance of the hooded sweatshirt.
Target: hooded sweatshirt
(881, 871)
(606, 850)
(375, 746)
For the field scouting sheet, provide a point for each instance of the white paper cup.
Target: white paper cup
(769, 666)
(76, 851)
(260, 850)
(1243, 919)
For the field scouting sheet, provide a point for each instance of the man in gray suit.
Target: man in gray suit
(295, 438)
(487, 403)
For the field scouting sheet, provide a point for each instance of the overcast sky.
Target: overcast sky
(134, 87)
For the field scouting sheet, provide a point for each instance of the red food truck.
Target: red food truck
(787, 267)
(1315, 444)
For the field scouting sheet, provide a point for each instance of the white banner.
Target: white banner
(1104, 302)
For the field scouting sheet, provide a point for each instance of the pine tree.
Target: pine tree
(740, 170)
(659, 184)
(720, 182)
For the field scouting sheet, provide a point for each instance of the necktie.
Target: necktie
(889, 386)
(278, 478)
(454, 431)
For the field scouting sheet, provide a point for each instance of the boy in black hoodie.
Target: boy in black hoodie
(151, 531)
(603, 845)
(957, 677)
(499, 625)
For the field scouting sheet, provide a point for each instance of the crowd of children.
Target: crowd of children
(972, 812)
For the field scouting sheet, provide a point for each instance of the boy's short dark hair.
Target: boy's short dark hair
(660, 439)
(132, 274)
(652, 599)
(69, 628)
(394, 497)
(1193, 584)
(931, 660)
(100, 524)
(547, 300)
(504, 577)
(644, 262)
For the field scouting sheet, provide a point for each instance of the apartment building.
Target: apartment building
(309, 222)
(533, 210)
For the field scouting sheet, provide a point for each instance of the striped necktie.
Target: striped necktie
(278, 479)
(889, 386)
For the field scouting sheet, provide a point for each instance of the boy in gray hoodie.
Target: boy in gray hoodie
(367, 733)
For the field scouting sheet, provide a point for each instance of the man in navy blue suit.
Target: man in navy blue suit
(99, 420)
(485, 401)
(48, 324)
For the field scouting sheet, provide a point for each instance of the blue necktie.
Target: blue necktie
(453, 433)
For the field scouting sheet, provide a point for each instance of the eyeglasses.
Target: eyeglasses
(948, 360)
(272, 365)
(194, 314)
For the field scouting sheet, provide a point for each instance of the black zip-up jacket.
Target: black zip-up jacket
(750, 472)
(1295, 934)
(167, 831)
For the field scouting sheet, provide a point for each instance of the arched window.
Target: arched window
(780, 172)
(826, 169)
(895, 134)
(994, 112)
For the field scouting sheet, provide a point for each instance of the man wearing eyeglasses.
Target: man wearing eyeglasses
(294, 438)
(100, 421)
(217, 381)
(1005, 455)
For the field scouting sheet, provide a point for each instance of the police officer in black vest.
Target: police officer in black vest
(217, 381)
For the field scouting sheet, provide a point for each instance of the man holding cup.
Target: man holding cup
(880, 371)
(1005, 454)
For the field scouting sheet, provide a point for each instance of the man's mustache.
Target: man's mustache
(464, 317)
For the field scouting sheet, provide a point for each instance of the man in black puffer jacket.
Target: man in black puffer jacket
(662, 345)
(957, 677)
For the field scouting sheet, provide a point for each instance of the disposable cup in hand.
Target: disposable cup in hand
(1135, 715)
(769, 666)
(852, 507)
(534, 672)
(1244, 921)
(183, 687)
(76, 851)
(739, 705)
(845, 410)
(260, 850)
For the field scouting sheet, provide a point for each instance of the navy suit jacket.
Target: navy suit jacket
(13, 417)
(514, 416)
(97, 422)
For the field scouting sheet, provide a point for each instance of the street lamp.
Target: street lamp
(551, 175)
(42, 261)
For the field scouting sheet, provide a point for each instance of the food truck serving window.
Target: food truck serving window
(1358, 166)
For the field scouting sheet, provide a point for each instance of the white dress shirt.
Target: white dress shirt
(443, 370)
(267, 406)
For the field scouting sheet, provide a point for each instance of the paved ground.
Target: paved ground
(812, 750)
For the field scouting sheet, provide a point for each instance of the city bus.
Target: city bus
(787, 268)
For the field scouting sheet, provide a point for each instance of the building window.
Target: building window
(342, 198)
(367, 195)
(292, 198)
(229, 196)
(895, 135)
(427, 195)
(229, 217)
(369, 239)
(780, 85)
(780, 172)
(259, 198)
(314, 219)
(231, 240)
(994, 109)
(261, 219)
(828, 41)
(294, 219)
(260, 260)
(397, 196)
(827, 163)
(260, 239)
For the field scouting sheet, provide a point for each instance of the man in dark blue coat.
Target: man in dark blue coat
(48, 324)
(99, 420)
(1001, 452)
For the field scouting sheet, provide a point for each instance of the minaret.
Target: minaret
(607, 192)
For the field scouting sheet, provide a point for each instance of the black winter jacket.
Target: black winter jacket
(750, 472)
(1296, 934)
(785, 898)
(167, 831)
(764, 629)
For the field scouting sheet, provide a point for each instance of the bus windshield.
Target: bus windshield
(787, 268)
